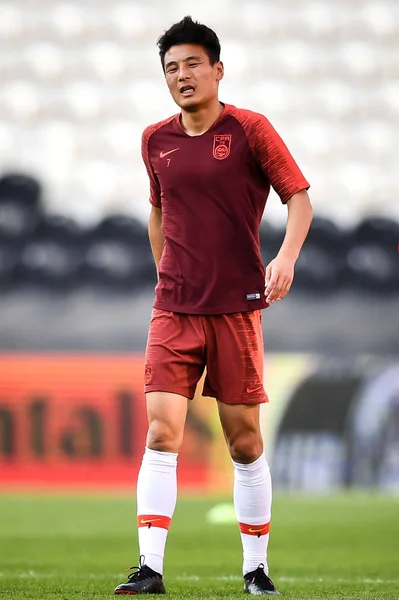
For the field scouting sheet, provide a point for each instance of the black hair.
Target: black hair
(188, 31)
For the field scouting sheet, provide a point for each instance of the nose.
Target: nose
(184, 72)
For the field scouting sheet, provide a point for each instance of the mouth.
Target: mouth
(186, 90)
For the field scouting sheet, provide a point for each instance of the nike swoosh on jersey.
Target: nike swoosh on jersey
(257, 530)
(255, 389)
(163, 154)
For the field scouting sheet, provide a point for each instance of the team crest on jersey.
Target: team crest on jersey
(221, 146)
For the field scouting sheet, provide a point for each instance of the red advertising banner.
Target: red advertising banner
(80, 421)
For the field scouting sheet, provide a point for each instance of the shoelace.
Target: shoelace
(137, 570)
(260, 573)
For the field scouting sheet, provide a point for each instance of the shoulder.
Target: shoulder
(151, 129)
(248, 118)
(258, 130)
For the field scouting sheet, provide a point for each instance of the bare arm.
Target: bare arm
(300, 215)
(155, 234)
(280, 271)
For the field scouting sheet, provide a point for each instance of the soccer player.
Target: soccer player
(210, 169)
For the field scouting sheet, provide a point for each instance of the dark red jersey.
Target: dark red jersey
(212, 189)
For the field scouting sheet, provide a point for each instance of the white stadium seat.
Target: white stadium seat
(11, 23)
(381, 18)
(129, 20)
(106, 60)
(389, 94)
(45, 60)
(69, 20)
(361, 58)
(22, 99)
(84, 99)
(319, 19)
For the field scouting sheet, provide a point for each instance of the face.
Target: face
(191, 79)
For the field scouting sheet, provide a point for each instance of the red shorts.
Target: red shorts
(230, 346)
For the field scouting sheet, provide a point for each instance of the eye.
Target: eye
(171, 70)
(193, 64)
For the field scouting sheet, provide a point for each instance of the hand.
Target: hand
(278, 280)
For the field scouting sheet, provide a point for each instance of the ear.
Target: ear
(219, 70)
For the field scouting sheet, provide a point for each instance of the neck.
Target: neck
(198, 121)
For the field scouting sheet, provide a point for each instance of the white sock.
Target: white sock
(156, 501)
(252, 502)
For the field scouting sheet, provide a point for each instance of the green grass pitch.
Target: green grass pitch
(70, 547)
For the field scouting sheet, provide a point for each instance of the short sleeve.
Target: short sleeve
(276, 161)
(155, 190)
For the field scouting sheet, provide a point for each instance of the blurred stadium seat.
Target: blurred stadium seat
(20, 197)
(316, 271)
(372, 267)
(383, 232)
(372, 259)
(20, 188)
(125, 229)
(45, 60)
(61, 229)
(53, 258)
(10, 22)
(17, 221)
(50, 263)
(117, 255)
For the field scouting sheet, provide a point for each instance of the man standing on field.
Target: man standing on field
(210, 170)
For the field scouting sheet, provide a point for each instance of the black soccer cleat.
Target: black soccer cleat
(142, 581)
(257, 582)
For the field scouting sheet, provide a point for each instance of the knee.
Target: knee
(246, 448)
(163, 437)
